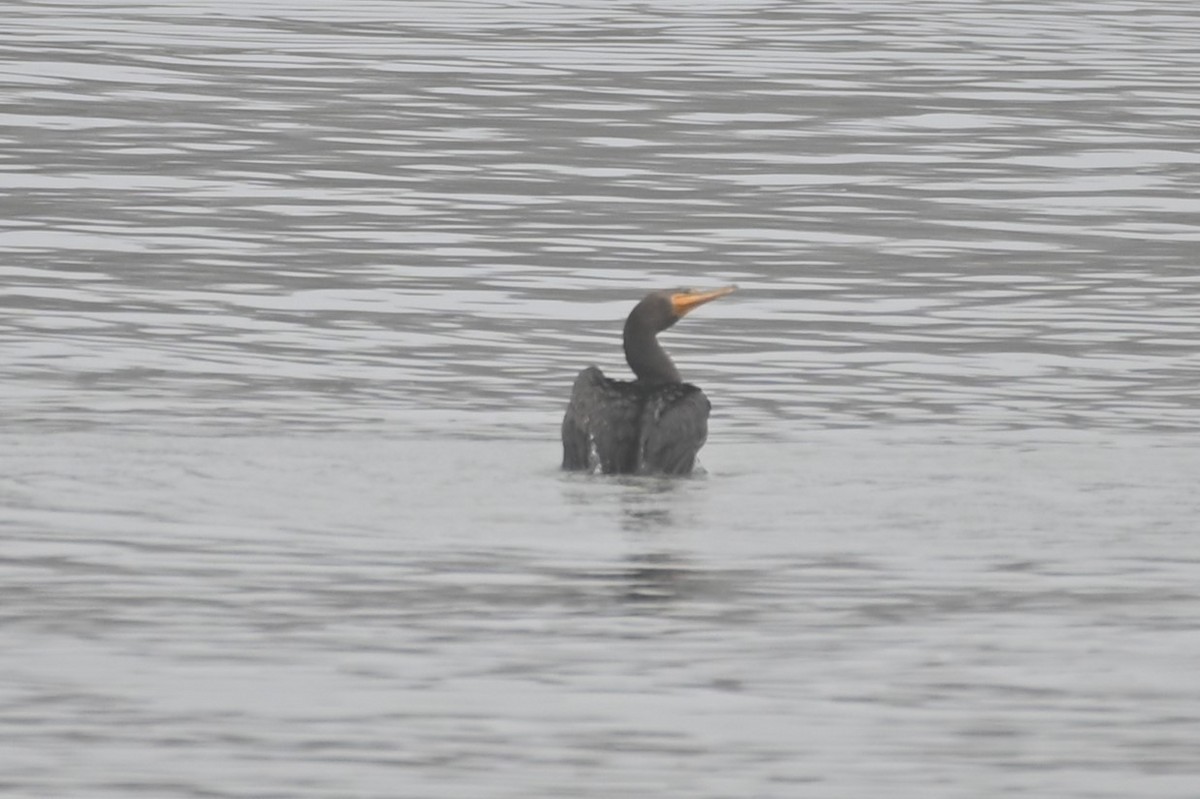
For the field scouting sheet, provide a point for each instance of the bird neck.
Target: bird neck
(646, 357)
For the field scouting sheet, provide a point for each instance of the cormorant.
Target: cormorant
(652, 425)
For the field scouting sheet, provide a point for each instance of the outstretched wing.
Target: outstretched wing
(674, 426)
(599, 430)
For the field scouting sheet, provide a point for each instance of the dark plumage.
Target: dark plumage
(654, 424)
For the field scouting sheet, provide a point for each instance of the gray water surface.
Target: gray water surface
(291, 298)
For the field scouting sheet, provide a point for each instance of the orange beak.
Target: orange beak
(684, 301)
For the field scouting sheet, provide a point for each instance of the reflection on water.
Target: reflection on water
(655, 577)
(647, 504)
(454, 616)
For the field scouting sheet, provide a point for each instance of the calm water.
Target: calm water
(291, 296)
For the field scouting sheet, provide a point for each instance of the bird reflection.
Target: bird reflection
(650, 511)
(656, 577)
(649, 505)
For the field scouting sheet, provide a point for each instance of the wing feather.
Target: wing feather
(622, 427)
(599, 429)
(674, 426)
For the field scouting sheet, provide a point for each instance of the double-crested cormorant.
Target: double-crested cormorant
(652, 425)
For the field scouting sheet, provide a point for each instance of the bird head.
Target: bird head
(661, 309)
(684, 301)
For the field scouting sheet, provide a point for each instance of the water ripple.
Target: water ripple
(273, 215)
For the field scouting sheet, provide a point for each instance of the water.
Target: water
(291, 297)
